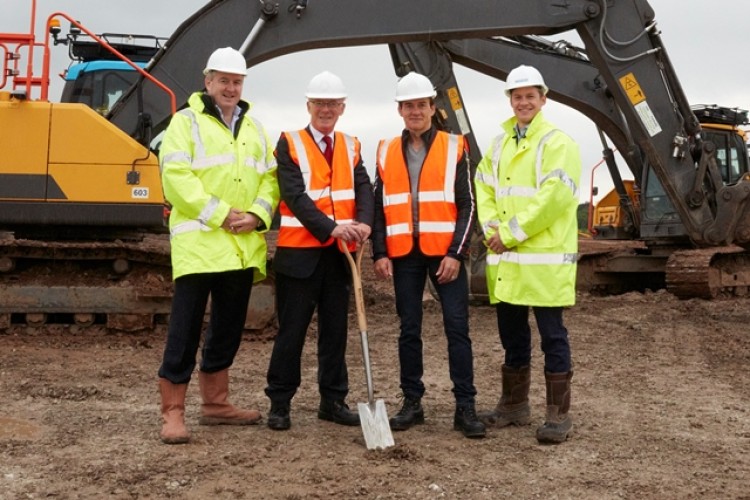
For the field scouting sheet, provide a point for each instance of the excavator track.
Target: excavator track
(612, 267)
(123, 283)
(708, 273)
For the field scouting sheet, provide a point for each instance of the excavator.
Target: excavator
(693, 225)
(685, 212)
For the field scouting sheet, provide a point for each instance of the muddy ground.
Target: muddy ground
(661, 402)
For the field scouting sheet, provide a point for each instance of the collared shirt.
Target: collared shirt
(318, 136)
(520, 132)
(235, 115)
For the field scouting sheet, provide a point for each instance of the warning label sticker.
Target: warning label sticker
(455, 98)
(632, 88)
(648, 119)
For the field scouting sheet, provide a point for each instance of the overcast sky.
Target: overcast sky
(707, 41)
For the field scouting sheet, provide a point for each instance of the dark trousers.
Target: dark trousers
(327, 289)
(230, 294)
(409, 274)
(515, 336)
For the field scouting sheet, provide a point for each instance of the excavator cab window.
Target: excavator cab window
(99, 85)
(720, 125)
(730, 154)
(657, 206)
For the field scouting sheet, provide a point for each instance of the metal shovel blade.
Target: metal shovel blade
(372, 415)
(375, 426)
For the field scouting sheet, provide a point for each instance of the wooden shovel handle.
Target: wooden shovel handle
(359, 300)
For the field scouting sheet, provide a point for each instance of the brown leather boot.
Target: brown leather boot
(173, 430)
(558, 424)
(216, 410)
(513, 407)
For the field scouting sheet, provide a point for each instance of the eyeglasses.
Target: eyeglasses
(326, 104)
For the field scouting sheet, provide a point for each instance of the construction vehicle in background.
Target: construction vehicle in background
(83, 190)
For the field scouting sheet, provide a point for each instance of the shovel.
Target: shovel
(372, 415)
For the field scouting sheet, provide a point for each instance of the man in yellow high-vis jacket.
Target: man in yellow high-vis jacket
(219, 175)
(527, 198)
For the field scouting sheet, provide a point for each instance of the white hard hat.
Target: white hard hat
(325, 85)
(414, 86)
(525, 76)
(227, 60)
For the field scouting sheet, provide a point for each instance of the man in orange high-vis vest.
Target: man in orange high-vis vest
(424, 214)
(322, 203)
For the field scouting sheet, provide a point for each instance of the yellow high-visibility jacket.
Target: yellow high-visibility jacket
(527, 189)
(207, 170)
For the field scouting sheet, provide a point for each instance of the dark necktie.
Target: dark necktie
(328, 151)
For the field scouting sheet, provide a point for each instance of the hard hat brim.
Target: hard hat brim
(413, 97)
(230, 71)
(544, 88)
(314, 95)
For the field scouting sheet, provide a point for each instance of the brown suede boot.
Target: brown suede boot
(173, 430)
(216, 410)
(513, 407)
(558, 424)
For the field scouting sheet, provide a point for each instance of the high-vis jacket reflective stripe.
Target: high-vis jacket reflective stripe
(205, 172)
(436, 204)
(528, 192)
(331, 189)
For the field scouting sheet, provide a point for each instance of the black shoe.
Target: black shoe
(411, 413)
(278, 417)
(467, 422)
(337, 412)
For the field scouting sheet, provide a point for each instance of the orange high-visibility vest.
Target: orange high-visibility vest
(437, 200)
(330, 188)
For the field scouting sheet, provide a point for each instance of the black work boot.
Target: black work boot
(337, 412)
(467, 422)
(278, 417)
(411, 413)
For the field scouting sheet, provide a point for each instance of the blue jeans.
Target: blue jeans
(409, 275)
(515, 336)
(230, 294)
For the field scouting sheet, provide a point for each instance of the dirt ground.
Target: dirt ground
(661, 405)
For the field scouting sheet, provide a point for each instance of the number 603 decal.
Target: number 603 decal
(139, 192)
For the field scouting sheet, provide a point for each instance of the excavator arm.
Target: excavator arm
(621, 42)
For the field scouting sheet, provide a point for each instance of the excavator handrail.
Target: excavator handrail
(22, 41)
(106, 45)
(6, 59)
